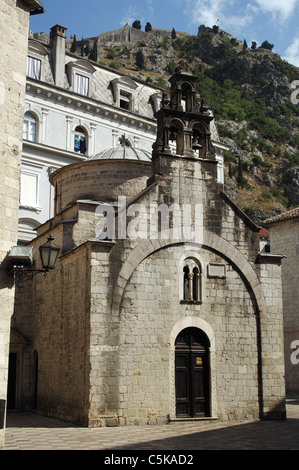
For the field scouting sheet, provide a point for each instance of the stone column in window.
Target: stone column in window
(191, 275)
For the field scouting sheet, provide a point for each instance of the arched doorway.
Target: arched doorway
(192, 374)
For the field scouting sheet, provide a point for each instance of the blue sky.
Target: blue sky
(256, 20)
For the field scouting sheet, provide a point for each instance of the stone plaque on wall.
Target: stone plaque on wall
(217, 270)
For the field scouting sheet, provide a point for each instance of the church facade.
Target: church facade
(163, 305)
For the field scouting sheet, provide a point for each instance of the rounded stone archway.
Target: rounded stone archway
(210, 241)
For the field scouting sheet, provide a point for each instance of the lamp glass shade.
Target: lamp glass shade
(48, 253)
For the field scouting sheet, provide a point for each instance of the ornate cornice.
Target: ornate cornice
(94, 107)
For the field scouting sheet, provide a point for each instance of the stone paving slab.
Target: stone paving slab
(27, 431)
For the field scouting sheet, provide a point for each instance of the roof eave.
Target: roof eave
(36, 7)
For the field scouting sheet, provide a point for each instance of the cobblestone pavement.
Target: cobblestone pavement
(26, 431)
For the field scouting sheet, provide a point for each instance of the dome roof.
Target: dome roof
(124, 151)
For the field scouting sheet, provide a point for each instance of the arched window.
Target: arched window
(191, 281)
(186, 282)
(176, 136)
(80, 140)
(29, 127)
(186, 101)
(196, 282)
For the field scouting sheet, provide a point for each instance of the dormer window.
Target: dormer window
(81, 84)
(34, 68)
(123, 92)
(156, 100)
(37, 54)
(80, 76)
(125, 100)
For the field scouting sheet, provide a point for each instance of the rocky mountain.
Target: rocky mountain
(249, 88)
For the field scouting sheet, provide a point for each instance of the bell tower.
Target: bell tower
(183, 123)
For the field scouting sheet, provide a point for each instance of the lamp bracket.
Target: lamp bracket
(22, 274)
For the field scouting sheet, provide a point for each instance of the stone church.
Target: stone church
(163, 304)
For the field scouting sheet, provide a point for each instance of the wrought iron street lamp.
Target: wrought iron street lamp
(21, 257)
(48, 253)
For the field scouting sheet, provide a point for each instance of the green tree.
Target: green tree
(136, 24)
(253, 45)
(87, 49)
(140, 59)
(173, 34)
(148, 27)
(267, 45)
(74, 44)
(82, 47)
(94, 51)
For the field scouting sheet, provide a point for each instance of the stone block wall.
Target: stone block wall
(151, 309)
(57, 309)
(282, 236)
(99, 181)
(14, 20)
(242, 312)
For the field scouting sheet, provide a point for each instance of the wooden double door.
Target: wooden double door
(192, 374)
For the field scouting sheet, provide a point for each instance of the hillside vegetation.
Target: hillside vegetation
(248, 88)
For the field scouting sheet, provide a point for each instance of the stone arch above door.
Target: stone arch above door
(192, 322)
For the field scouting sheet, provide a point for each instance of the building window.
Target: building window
(297, 244)
(123, 92)
(29, 127)
(80, 75)
(191, 281)
(34, 68)
(27, 230)
(29, 190)
(81, 84)
(80, 141)
(125, 100)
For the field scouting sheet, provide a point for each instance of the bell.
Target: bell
(172, 136)
(195, 144)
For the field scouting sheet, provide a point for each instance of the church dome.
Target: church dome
(124, 151)
(120, 171)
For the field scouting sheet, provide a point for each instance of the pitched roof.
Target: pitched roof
(264, 232)
(292, 214)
